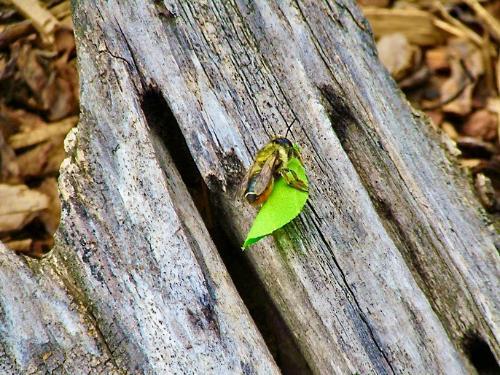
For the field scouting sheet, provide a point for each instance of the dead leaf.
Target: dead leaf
(437, 59)
(61, 93)
(475, 146)
(64, 42)
(456, 92)
(15, 31)
(40, 247)
(397, 55)
(485, 191)
(466, 67)
(489, 166)
(453, 26)
(33, 74)
(481, 124)
(461, 49)
(498, 74)
(436, 117)
(493, 105)
(9, 169)
(416, 78)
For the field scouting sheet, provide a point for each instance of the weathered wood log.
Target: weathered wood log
(391, 268)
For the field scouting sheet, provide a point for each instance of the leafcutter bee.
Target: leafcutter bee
(271, 162)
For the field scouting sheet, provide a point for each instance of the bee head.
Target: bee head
(282, 141)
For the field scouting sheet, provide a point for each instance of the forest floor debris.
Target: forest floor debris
(38, 106)
(445, 56)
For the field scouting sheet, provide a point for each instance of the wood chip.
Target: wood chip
(470, 163)
(36, 136)
(32, 163)
(417, 25)
(61, 10)
(56, 157)
(19, 206)
(374, 3)
(450, 130)
(51, 216)
(437, 59)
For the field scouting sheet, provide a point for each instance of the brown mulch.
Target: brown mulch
(38, 106)
(445, 56)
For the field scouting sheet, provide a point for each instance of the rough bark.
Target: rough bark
(391, 268)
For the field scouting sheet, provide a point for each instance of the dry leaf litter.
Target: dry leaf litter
(38, 106)
(445, 56)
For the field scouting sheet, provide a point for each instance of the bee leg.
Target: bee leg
(293, 180)
(296, 154)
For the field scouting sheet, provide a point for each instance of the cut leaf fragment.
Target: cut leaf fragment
(283, 205)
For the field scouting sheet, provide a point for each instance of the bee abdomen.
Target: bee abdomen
(250, 194)
(251, 197)
(255, 198)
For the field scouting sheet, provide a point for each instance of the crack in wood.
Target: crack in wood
(261, 307)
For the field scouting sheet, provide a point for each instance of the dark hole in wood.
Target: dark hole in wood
(480, 355)
(339, 113)
(276, 333)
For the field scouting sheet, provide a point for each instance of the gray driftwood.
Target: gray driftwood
(391, 268)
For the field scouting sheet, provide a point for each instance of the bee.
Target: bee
(271, 162)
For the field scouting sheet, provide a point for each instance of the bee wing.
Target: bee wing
(244, 182)
(265, 174)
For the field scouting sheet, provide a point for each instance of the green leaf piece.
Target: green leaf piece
(283, 205)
